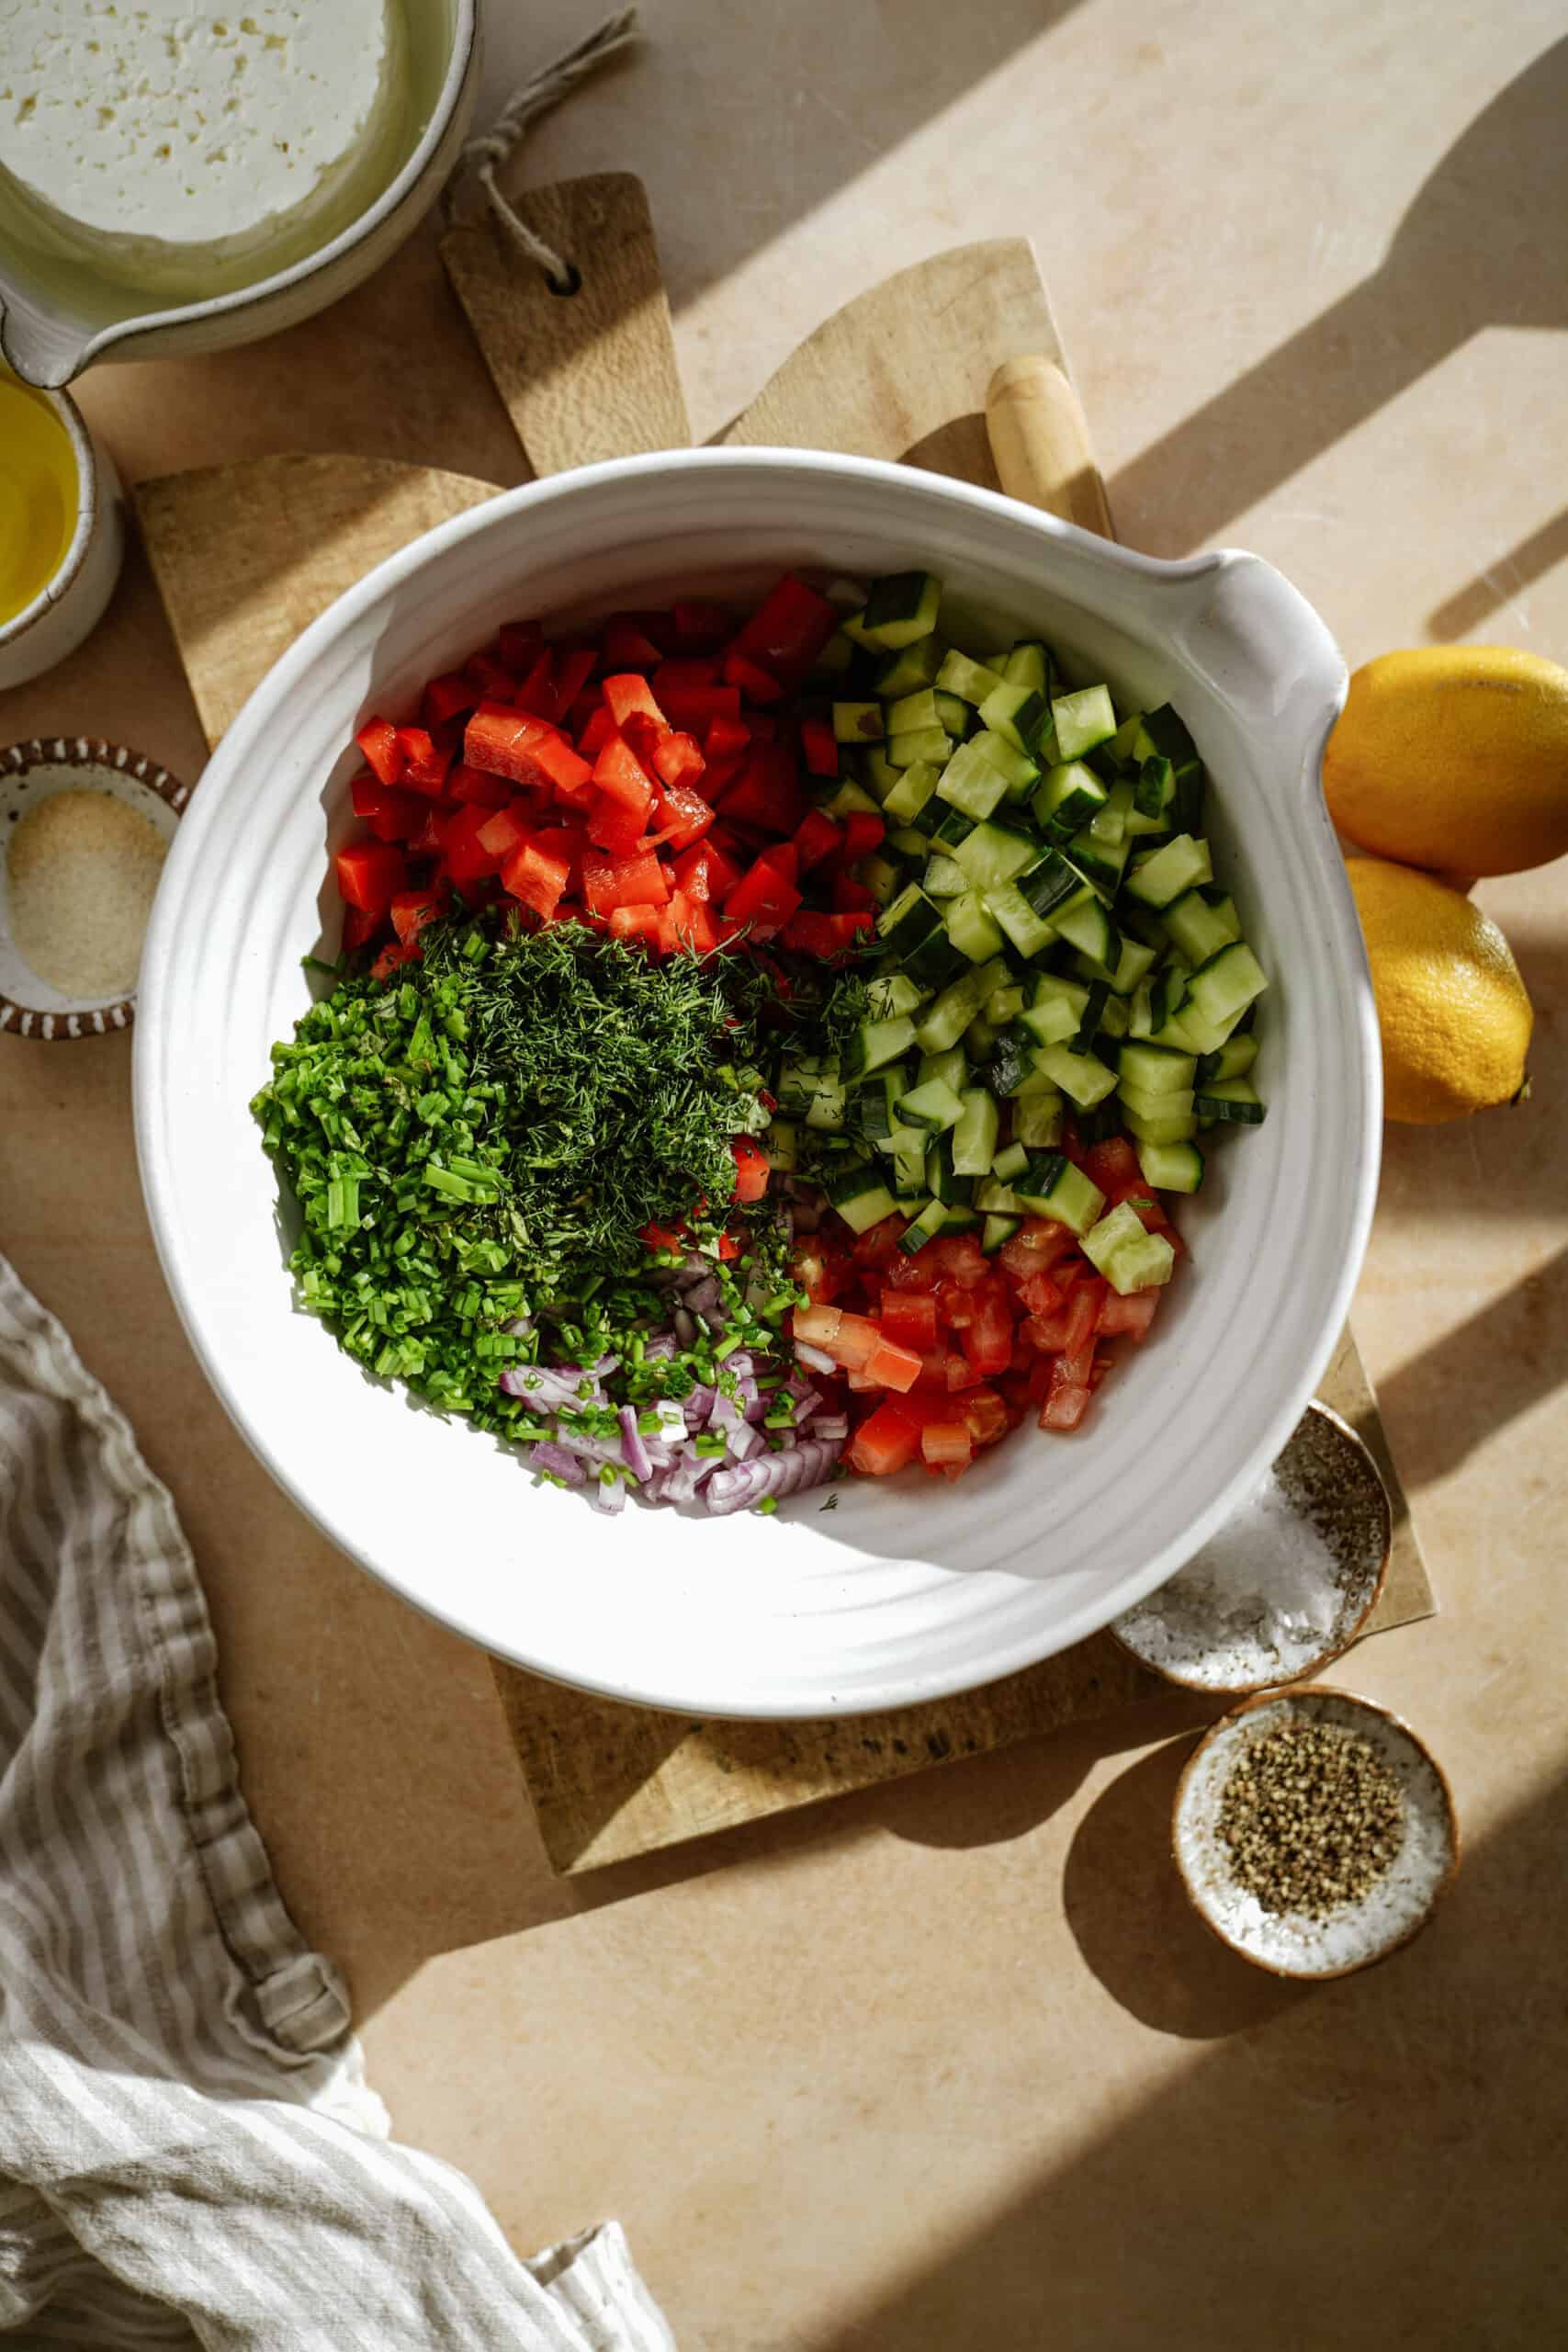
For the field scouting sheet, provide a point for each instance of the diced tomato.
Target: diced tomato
(425, 762)
(956, 1257)
(508, 743)
(819, 838)
(863, 833)
(537, 694)
(789, 627)
(370, 874)
(660, 1236)
(819, 746)
(475, 789)
(821, 1271)
(1113, 1165)
(948, 1444)
(378, 739)
(692, 702)
(766, 795)
(885, 1441)
(393, 956)
(537, 873)
(893, 1366)
(851, 1340)
(877, 1247)
(427, 841)
(411, 910)
(987, 1337)
(622, 882)
(359, 927)
(751, 1169)
(448, 697)
(909, 1318)
(575, 664)
(1132, 1314)
(985, 1416)
(1039, 1242)
(765, 898)
(1040, 1295)
(1067, 1401)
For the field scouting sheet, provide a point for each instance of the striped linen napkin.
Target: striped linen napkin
(188, 2152)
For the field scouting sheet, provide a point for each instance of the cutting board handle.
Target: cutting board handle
(1039, 442)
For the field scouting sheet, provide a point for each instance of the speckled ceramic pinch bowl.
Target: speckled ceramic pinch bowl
(31, 773)
(1342, 1519)
(71, 603)
(1357, 1934)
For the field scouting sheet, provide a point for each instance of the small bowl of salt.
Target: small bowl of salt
(1313, 1832)
(85, 828)
(1287, 1583)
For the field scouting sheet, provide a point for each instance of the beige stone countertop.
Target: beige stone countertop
(950, 2064)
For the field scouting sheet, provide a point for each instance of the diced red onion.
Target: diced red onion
(633, 1451)
(698, 1405)
(680, 1485)
(807, 1405)
(813, 1357)
(748, 1483)
(586, 1446)
(547, 1455)
(550, 1385)
(829, 1425)
(607, 1495)
(705, 1299)
(685, 1328)
(671, 1420)
(660, 1349)
(742, 1441)
(724, 1413)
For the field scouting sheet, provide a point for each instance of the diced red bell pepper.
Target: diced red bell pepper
(687, 922)
(766, 796)
(695, 623)
(596, 731)
(703, 872)
(624, 882)
(625, 797)
(537, 873)
(626, 647)
(425, 762)
(370, 874)
(635, 923)
(411, 910)
(887, 1441)
(819, 746)
(517, 646)
(467, 860)
(495, 683)
(378, 739)
(765, 898)
(789, 627)
(864, 832)
(474, 788)
(819, 838)
(393, 956)
(751, 1169)
(391, 815)
(811, 933)
(852, 898)
(694, 704)
(427, 841)
(359, 927)
(681, 816)
(505, 829)
(757, 683)
(448, 697)
(502, 742)
(538, 695)
(626, 695)
(724, 737)
(678, 762)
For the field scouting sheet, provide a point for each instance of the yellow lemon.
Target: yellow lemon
(1453, 756)
(1455, 1018)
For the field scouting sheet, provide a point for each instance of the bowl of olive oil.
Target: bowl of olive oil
(62, 529)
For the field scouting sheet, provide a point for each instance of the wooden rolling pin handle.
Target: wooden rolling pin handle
(1040, 442)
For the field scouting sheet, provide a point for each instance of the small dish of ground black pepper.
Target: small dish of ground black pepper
(1314, 1831)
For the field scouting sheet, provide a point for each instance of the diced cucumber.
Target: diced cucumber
(1100, 862)
(909, 1148)
(971, 782)
(1010, 1161)
(900, 608)
(971, 681)
(953, 827)
(876, 1043)
(1054, 1188)
(878, 772)
(891, 993)
(1012, 1063)
(997, 1231)
(1132, 966)
(1112, 1012)
(1082, 720)
(854, 628)
(1108, 826)
(947, 1064)
(1223, 988)
(992, 853)
(1163, 734)
(1147, 1263)
(848, 799)
(1020, 773)
(972, 928)
(1067, 797)
(857, 723)
(946, 1020)
(909, 922)
(936, 1105)
(914, 666)
(781, 1144)
(1007, 1002)
(927, 743)
(960, 1218)
(872, 1109)
(1154, 796)
(954, 714)
(836, 655)
(1153, 1070)
(943, 1181)
(908, 845)
(1037, 1122)
(1021, 715)
(1171, 1167)
(1197, 928)
(1162, 1126)
(1085, 921)
(1055, 1017)
(1102, 1241)
(997, 1198)
(1084, 1077)
(980, 1038)
(1029, 665)
(1178, 1104)
(1233, 1101)
(943, 878)
(910, 793)
(883, 880)
(1160, 875)
(1029, 933)
(1233, 1059)
(815, 1089)
(1049, 884)
(975, 1135)
(862, 1198)
(912, 712)
(922, 1229)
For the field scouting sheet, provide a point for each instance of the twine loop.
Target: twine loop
(485, 154)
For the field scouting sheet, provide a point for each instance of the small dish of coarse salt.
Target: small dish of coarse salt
(1287, 1583)
(1314, 1831)
(85, 827)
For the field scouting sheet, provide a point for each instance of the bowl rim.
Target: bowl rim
(796, 1699)
(1337, 1647)
(60, 582)
(140, 323)
(87, 751)
(1293, 1693)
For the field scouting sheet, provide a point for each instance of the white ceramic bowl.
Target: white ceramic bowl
(56, 317)
(70, 605)
(904, 1589)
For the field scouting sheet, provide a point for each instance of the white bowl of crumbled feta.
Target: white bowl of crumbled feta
(177, 178)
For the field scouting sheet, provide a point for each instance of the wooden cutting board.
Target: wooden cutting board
(900, 373)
